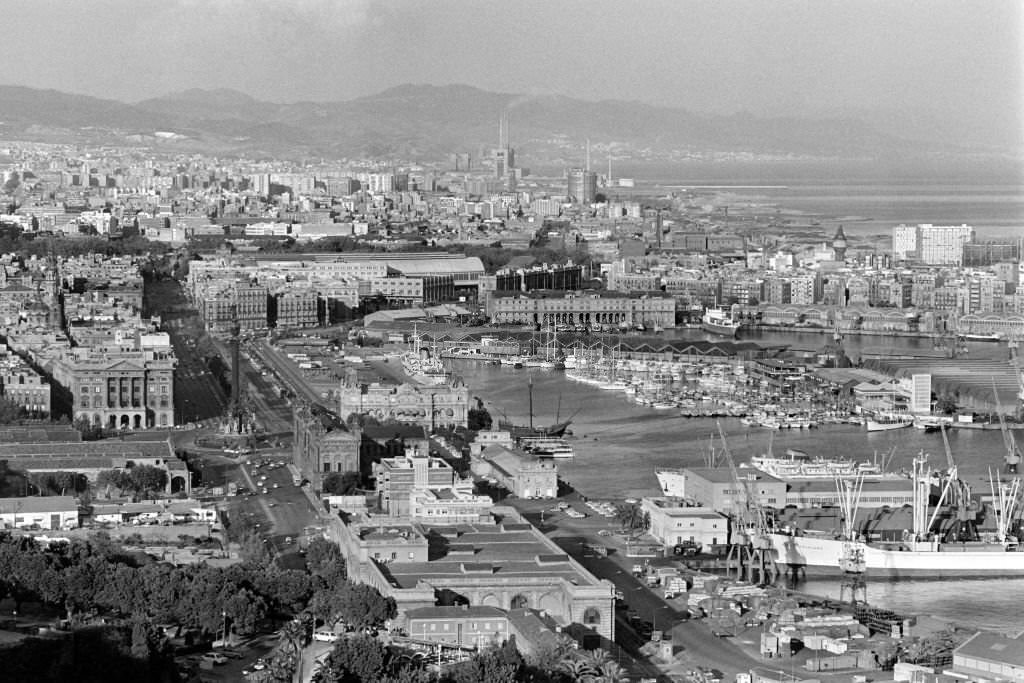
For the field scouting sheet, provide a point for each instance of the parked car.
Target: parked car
(325, 635)
(215, 658)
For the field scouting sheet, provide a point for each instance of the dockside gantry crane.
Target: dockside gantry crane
(751, 557)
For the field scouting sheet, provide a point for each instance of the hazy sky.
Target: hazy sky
(959, 61)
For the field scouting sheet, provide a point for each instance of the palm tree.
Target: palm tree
(595, 659)
(611, 672)
(577, 669)
(293, 636)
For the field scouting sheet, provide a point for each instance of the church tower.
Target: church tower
(839, 244)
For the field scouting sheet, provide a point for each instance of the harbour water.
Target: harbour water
(620, 444)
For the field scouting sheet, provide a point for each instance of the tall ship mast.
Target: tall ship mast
(530, 430)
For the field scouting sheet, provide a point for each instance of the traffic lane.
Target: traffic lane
(284, 368)
(286, 508)
(650, 606)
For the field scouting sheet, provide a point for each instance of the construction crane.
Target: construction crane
(750, 556)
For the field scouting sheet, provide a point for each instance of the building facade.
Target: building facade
(118, 389)
(432, 406)
(524, 474)
(582, 309)
(22, 385)
(398, 478)
(322, 444)
(674, 523)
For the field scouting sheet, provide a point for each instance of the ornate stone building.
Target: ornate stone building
(117, 389)
(322, 444)
(652, 309)
(432, 406)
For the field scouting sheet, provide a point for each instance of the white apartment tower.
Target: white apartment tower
(939, 245)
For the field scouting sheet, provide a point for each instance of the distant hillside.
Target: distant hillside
(429, 122)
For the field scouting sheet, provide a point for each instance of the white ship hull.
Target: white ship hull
(876, 426)
(822, 555)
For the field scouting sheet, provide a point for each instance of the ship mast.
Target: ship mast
(529, 385)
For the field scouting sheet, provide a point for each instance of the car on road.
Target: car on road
(325, 635)
(288, 540)
(215, 658)
(271, 504)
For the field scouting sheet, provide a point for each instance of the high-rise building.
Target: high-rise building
(582, 185)
(932, 244)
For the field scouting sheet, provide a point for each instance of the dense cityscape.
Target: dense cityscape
(400, 407)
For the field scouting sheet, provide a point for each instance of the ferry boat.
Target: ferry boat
(981, 337)
(550, 447)
(884, 422)
(718, 321)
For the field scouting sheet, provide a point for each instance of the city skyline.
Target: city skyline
(908, 64)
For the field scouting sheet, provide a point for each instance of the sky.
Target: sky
(957, 64)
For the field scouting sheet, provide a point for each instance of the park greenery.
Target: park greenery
(87, 581)
(363, 659)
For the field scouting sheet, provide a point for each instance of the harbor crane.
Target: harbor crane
(1013, 455)
(957, 495)
(751, 556)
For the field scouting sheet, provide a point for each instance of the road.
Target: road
(283, 512)
(693, 637)
(197, 393)
(287, 372)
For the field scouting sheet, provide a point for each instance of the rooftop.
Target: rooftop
(512, 551)
(456, 612)
(35, 504)
(993, 647)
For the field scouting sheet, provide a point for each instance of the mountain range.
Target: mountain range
(422, 122)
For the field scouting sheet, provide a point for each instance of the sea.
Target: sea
(866, 201)
(620, 444)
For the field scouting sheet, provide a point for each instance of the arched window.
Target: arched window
(591, 616)
(519, 601)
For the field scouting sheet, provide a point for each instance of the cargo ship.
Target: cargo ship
(922, 559)
(717, 321)
(932, 548)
